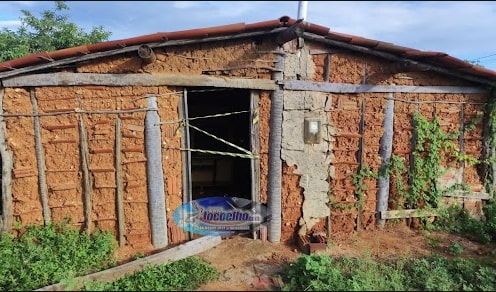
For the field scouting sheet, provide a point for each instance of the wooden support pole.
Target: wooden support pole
(119, 182)
(40, 160)
(327, 69)
(385, 153)
(461, 139)
(362, 143)
(360, 155)
(186, 155)
(413, 143)
(84, 152)
(6, 215)
(255, 149)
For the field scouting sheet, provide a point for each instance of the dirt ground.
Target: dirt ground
(252, 265)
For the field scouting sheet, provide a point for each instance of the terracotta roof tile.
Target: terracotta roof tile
(339, 36)
(433, 58)
(392, 48)
(206, 32)
(359, 41)
(451, 62)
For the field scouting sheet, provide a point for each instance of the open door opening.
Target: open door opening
(216, 167)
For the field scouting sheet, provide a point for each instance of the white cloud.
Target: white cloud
(10, 24)
(185, 4)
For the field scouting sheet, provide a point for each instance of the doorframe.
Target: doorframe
(255, 145)
(254, 135)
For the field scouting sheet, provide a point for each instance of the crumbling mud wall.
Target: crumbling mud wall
(79, 122)
(73, 116)
(355, 126)
(351, 108)
(62, 131)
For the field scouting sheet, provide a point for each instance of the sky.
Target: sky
(462, 29)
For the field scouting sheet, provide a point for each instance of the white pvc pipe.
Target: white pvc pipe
(302, 10)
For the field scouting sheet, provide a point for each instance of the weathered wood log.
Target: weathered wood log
(40, 160)
(385, 153)
(119, 183)
(407, 213)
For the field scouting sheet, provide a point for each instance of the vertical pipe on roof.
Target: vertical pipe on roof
(302, 10)
(275, 161)
(156, 186)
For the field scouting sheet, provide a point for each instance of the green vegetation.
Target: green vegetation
(49, 33)
(41, 256)
(182, 275)
(323, 273)
(57, 253)
(358, 181)
(457, 220)
(431, 146)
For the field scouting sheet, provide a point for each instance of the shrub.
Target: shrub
(185, 274)
(44, 255)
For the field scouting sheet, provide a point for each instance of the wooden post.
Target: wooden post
(186, 155)
(461, 139)
(6, 217)
(119, 182)
(362, 142)
(360, 154)
(255, 149)
(385, 153)
(40, 160)
(327, 69)
(86, 173)
(413, 143)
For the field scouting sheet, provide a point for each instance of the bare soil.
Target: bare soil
(246, 264)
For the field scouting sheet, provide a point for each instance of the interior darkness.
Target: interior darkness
(215, 174)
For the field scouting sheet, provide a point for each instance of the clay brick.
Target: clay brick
(59, 127)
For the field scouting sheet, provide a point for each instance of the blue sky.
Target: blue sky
(463, 29)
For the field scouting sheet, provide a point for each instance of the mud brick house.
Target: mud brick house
(117, 135)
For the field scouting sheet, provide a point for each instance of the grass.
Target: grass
(41, 256)
(181, 275)
(434, 273)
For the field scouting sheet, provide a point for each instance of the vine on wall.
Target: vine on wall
(490, 162)
(433, 145)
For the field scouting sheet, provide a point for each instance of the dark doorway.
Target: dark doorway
(217, 174)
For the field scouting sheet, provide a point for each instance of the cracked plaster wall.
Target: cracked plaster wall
(312, 161)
